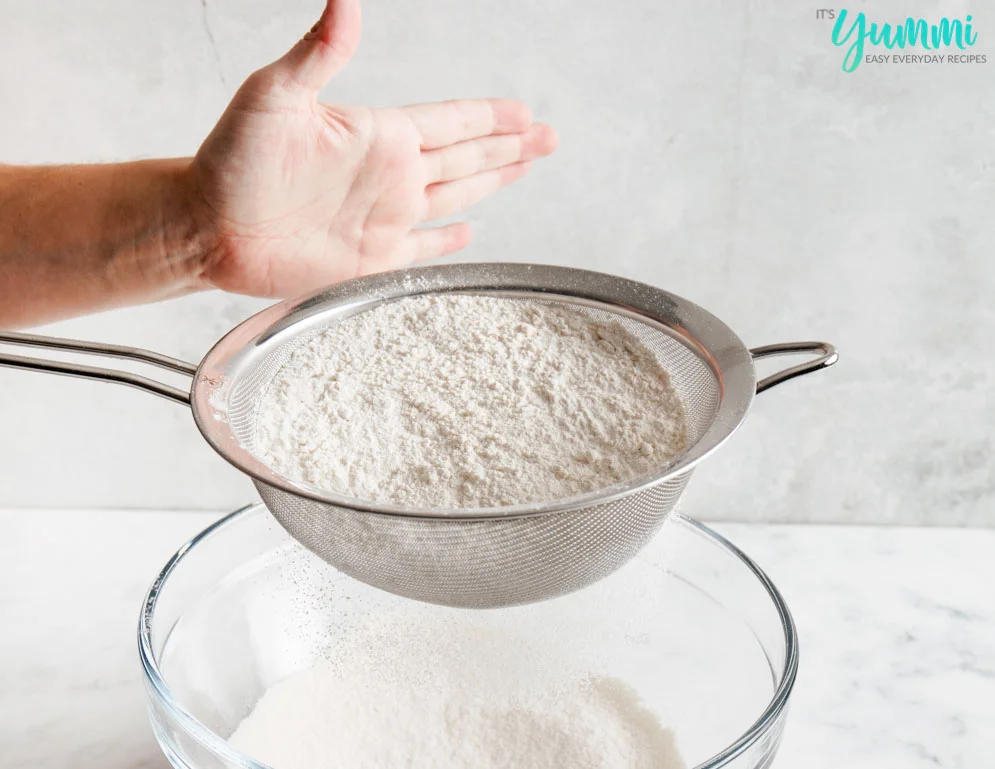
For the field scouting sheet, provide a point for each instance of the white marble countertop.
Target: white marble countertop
(897, 639)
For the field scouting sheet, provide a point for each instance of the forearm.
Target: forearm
(78, 239)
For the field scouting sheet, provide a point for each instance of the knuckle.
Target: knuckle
(262, 81)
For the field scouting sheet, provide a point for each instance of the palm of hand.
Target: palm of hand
(302, 194)
(309, 192)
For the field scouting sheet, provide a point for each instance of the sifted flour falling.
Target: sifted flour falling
(463, 401)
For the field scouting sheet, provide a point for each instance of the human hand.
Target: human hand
(300, 194)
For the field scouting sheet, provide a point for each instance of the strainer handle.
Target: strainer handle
(827, 357)
(94, 372)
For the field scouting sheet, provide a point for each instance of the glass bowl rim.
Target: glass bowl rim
(215, 743)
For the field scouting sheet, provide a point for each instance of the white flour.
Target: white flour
(466, 401)
(396, 699)
(318, 719)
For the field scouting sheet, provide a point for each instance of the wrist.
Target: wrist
(190, 234)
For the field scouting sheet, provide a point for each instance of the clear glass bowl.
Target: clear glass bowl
(691, 623)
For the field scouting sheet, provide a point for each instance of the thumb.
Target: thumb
(326, 48)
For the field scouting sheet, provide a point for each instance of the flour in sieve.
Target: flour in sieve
(460, 401)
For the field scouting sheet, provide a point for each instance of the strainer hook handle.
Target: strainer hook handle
(83, 371)
(827, 357)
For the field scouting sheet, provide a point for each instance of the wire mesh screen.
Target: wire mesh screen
(478, 564)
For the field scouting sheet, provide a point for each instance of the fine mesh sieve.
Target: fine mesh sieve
(475, 558)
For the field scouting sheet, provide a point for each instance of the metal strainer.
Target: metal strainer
(470, 557)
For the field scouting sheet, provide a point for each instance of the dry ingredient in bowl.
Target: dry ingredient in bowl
(461, 401)
(451, 694)
(318, 719)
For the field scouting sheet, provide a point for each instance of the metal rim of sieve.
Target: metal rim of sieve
(700, 331)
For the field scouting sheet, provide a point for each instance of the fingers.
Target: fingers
(464, 159)
(447, 198)
(419, 246)
(325, 49)
(448, 122)
(434, 242)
